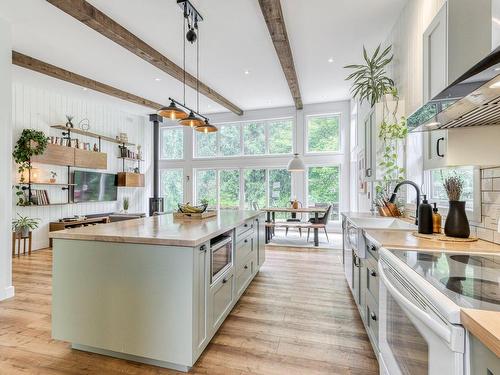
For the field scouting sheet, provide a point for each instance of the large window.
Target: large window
(254, 188)
(206, 186)
(172, 143)
(270, 137)
(172, 188)
(229, 188)
(323, 184)
(323, 133)
(438, 193)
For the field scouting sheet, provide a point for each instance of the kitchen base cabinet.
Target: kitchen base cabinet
(221, 299)
(482, 360)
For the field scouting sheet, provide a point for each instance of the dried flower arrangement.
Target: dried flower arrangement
(453, 186)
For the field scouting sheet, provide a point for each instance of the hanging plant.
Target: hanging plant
(30, 143)
(370, 81)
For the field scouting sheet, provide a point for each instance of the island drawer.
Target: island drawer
(372, 279)
(372, 319)
(243, 250)
(244, 274)
(221, 297)
(246, 226)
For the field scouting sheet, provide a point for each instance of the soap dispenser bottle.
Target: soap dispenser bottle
(425, 217)
(436, 220)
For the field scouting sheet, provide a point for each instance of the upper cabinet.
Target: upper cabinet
(457, 38)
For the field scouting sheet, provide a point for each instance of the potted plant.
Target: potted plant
(126, 203)
(53, 176)
(457, 224)
(31, 142)
(23, 225)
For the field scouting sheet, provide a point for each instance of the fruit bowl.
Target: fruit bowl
(188, 209)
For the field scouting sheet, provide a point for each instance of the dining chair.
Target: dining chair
(323, 220)
(255, 206)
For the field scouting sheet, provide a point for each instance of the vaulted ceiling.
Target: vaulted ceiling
(238, 58)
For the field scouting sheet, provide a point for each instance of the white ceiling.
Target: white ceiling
(233, 38)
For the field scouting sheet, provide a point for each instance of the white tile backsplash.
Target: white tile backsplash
(490, 207)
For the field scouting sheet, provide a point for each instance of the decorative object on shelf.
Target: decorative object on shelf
(69, 124)
(126, 203)
(53, 176)
(84, 124)
(23, 225)
(371, 82)
(31, 142)
(123, 151)
(457, 224)
(22, 199)
(179, 111)
(96, 148)
(137, 170)
(139, 152)
(122, 137)
(296, 164)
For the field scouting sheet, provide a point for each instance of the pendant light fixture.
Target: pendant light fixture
(195, 120)
(296, 164)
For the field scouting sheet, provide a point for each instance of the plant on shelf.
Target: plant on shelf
(126, 203)
(370, 80)
(31, 142)
(23, 225)
(53, 176)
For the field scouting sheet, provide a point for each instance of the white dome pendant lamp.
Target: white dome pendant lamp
(296, 164)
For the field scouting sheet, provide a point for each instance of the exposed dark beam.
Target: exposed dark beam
(273, 15)
(100, 22)
(51, 70)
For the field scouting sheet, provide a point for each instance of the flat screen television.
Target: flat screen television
(94, 187)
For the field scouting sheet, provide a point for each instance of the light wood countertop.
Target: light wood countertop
(160, 230)
(485, 326)
(398, 239)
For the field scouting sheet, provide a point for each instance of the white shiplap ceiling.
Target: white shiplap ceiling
(234, 39)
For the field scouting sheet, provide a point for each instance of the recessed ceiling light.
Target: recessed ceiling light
(496, 85)
(157, 79)
(330, 60)
(84, 88)
(209, 106)
(497, 69)
(247, 72)
(431, 124)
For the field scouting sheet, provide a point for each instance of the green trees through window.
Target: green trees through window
(172, 143)
(323, 188)
(172, 188)
(323, 133)
(230, 188)
(255, 188)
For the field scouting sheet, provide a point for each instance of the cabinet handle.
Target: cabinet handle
(245, 241)
(203, 248)
(354, 258)
(438, 150)
(373, 273)
(245, 225)
(368, 172)
(224, 280)
(373, 248)
(373, 316)
(246, 267)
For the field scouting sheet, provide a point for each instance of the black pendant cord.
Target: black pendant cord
(198, 72)
(184, 56)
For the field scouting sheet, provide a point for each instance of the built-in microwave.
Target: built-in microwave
(221, 256)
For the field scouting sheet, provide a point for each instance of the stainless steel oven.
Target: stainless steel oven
(221, 256)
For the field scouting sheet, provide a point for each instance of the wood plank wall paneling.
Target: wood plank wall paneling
(39, 108)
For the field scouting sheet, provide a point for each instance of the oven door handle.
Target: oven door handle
(437, 328)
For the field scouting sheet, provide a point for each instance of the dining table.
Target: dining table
(271, 218)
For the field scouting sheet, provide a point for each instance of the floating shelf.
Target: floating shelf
(131, 159)
(47, 205)
(93, 135)
(44, 184)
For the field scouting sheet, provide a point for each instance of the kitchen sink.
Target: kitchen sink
(382, 223)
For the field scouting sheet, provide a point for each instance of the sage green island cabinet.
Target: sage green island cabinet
(153, 290)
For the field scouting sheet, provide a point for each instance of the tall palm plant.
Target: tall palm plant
(370, 81)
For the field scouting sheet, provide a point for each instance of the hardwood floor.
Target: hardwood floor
(297, 317)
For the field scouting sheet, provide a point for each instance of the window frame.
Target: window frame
(177, 127)
(241, 155)
(306, 134)
(473, 215)
(162, 191)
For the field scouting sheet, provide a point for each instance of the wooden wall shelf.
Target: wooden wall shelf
(127, 179)
(92, 135)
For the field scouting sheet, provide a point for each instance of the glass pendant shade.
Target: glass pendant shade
(206, 128)
(172, 112)
(191, 121)
(296, 164)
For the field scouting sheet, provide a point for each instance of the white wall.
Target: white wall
(298, 178)
(38, 107)
(6, 288)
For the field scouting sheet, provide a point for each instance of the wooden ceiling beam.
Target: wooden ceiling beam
(273, 15)
(100, 22)
(39, 66)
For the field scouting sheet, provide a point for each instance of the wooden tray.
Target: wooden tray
(195, 216)
(443, 237)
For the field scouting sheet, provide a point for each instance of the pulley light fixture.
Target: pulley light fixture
(176, 110)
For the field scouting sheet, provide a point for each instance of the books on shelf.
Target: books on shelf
(39, 197)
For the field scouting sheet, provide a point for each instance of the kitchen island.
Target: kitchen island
(153, 290)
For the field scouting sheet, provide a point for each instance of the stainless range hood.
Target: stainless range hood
(472, 100)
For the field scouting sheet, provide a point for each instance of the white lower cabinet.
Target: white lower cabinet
(245, 273)
(482, 360)
(221, 299)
